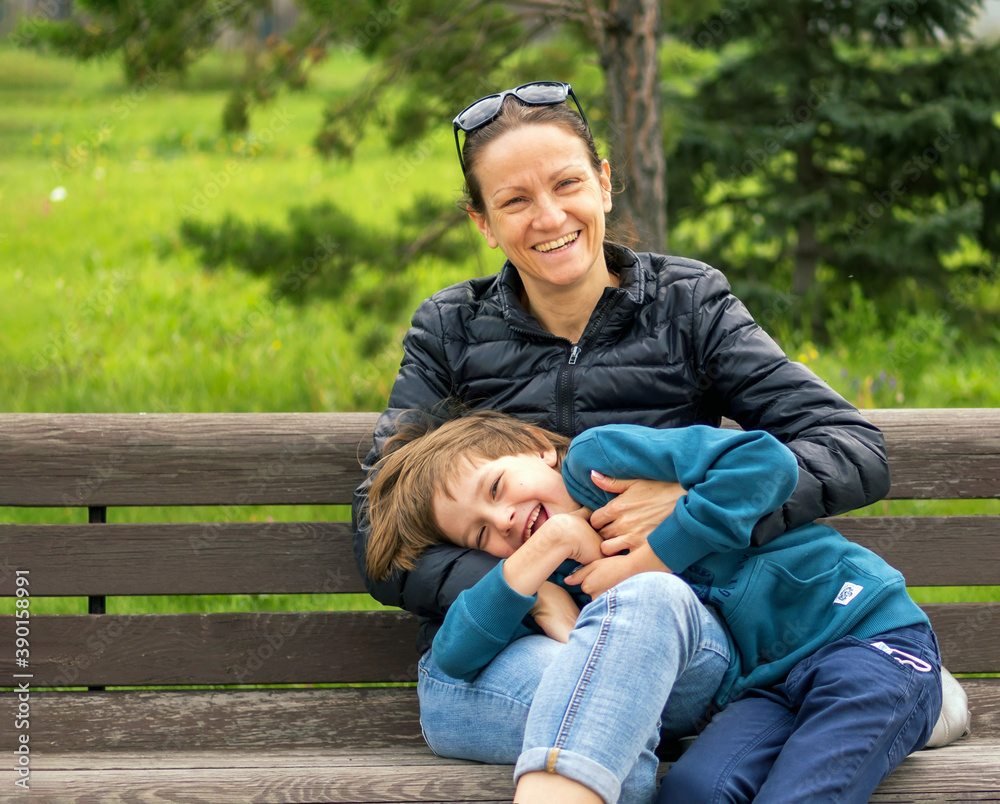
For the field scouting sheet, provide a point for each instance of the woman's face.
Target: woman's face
(545, 207)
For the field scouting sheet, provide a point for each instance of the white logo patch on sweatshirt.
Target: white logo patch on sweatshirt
(847, 593)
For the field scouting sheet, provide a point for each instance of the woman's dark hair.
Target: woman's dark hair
(515, 115)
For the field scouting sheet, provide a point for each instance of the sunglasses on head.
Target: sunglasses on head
(486, 110)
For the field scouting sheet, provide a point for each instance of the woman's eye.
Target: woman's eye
(480, 538)
(511, 202)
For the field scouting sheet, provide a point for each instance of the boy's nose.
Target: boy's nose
(504, 519)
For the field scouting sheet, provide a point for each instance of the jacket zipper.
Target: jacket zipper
(564, 392)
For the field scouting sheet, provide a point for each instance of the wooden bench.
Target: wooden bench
(264, 732)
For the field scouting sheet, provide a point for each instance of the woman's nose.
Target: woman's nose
(550, 214)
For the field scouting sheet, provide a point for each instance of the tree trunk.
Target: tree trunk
(629, 48)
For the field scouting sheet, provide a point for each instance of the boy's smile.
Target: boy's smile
(497, 505)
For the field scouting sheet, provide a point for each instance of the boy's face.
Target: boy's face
(498, 505)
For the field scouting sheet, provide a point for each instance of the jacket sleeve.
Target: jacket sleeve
(732, 479)
(482, 622)
(744, 374)
(444, 570)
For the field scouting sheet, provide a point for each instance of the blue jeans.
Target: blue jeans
(644, 659)
(832, 731)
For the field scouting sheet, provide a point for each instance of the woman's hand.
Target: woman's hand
(626, 522)
(555, 611)
(599, 576)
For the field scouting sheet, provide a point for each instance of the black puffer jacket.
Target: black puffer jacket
(670, 347)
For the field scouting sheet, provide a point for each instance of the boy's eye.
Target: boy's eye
(480, 537)
(493, 489)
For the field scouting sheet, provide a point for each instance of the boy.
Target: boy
(806, 611)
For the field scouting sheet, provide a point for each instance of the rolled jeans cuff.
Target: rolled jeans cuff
(573, 766)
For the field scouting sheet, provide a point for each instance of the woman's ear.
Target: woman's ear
(605, 178)
(483, 225)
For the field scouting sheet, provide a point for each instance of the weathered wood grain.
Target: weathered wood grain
(968, 635)
(941, 453)
(931, 550)
(99, 728)
(238, 648)
(182, 459)
(289, 458)
(965, 771)
(317, 557)
(224, 558)
(319, 647)
(235, 721)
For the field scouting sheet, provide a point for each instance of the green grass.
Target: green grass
(105, 310)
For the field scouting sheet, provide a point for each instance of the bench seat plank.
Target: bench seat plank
(965, 771)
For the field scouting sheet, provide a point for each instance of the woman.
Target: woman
(575, 332)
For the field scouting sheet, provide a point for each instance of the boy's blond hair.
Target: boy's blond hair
(418, 461)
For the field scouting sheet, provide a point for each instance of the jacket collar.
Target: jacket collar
(631, 289)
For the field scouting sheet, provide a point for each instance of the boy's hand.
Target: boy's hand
(561, 537)
(601, 575)
(555, 611)
(641, 505)
(574, 534)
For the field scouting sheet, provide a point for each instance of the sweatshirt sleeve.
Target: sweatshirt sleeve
(732, 479)
(482, 621)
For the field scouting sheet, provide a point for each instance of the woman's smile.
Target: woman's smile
(559, 245)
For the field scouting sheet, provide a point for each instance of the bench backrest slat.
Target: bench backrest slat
(319, 647)
(313, 458)
(233, 558)
(182, 459)
(317, 557)
(333, 647)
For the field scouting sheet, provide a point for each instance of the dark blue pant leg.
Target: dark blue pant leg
(846, 716)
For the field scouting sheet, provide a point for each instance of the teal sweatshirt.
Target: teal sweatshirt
(779, 603)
